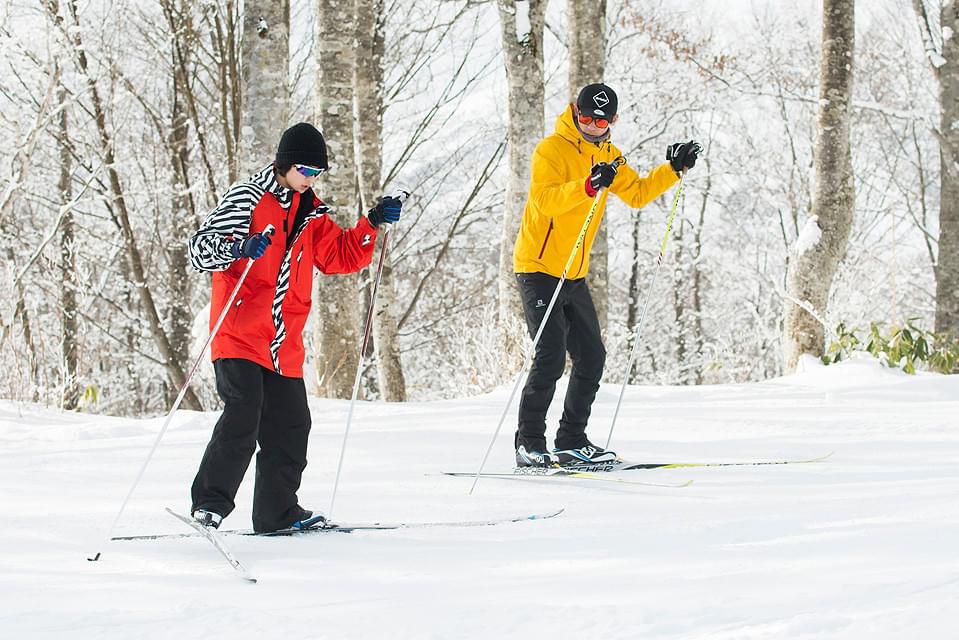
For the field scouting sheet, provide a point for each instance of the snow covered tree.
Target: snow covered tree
(336, 298)
(370, 38)
(939, 36)
(174, 130)
(521, 25)
(587, 64)
(68, 263)
(822, 243)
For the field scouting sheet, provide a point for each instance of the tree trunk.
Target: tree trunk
(822, 243)
(21, 314)
(947, 264)
(521, 23)
(678, 330)
(587, 64)
(265, 71)
(369, 98)
(68, 269)
(688, 291)
(695, 323)
(337, 339)
(183, 210)
(227, 26)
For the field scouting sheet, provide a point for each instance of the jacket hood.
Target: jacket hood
(566, 127)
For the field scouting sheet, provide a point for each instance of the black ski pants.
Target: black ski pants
(572, 327)
(260, 406)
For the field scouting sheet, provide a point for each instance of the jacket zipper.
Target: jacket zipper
(545, 240)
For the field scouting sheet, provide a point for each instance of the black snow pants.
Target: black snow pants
(265, 407)
(573, 327)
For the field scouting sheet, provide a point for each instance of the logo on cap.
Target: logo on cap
(601, 99)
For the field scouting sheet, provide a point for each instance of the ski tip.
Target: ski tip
(545, 515)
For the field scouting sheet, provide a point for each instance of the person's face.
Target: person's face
(591, 126)
(301, 177)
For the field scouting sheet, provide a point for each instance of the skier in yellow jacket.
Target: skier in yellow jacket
(569, 168)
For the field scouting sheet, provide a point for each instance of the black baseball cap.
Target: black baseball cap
(597, 100)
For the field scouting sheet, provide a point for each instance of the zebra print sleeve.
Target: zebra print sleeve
(230, 221)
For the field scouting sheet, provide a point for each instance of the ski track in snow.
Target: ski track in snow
(863, 545)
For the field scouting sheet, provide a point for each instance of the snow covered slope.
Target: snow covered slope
(861, 546)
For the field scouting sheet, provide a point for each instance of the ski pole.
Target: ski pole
(528, 363)
(384, 250)
(268, 231)
(642, 317)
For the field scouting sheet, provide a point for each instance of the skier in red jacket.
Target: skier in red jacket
(258, 351)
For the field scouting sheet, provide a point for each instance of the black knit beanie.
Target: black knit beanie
(302, 144)
(597, 100)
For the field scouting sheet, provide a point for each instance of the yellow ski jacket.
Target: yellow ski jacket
(558, 203)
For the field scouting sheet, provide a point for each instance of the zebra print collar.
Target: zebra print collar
(266, 179)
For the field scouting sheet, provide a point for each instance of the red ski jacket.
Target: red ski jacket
(265, 323)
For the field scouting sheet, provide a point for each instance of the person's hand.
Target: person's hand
(386, 210)
(682, 155)
(601, 176)
(252, 247)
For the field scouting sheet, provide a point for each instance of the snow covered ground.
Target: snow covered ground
(864, 545)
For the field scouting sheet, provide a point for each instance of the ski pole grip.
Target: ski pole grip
(400, 194)
(617, 162)
(269, 230)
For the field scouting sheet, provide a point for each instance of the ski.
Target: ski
(216, 541)
(597, 470)
(565, 472)
(350, 528)
(378, 526)
(625, 465)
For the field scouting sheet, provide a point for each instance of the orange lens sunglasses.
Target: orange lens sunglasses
(602, 123)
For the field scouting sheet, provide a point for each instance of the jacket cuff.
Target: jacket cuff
(590, 191)
(364, 220)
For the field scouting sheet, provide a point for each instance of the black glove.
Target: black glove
(601, 176)
(252, 247)
(682, 155)
(386, 210)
